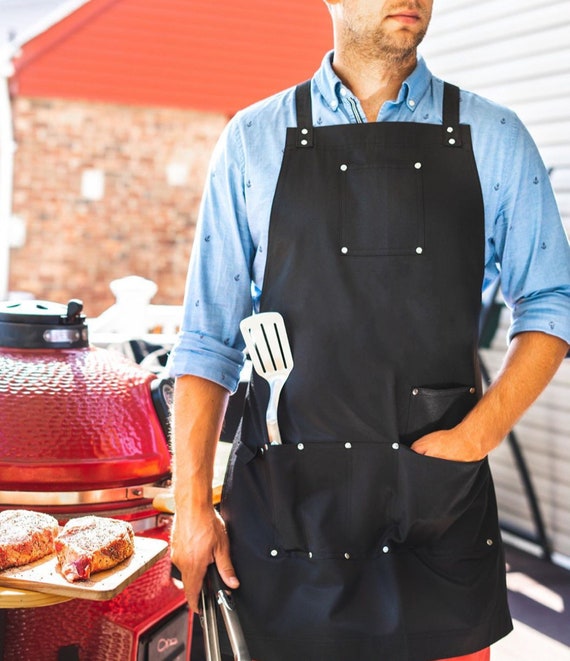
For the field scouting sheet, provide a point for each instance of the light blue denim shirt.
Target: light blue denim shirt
(525, 240)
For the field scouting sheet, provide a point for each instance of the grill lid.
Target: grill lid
(77, 418)
(43, 325)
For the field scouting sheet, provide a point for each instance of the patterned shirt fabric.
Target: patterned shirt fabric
(526, 245)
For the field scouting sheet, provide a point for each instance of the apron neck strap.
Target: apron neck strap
(451, 132)
(304, 115)
(303, 105)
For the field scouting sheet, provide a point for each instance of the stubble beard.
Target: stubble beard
(394, 48)
(390, 48)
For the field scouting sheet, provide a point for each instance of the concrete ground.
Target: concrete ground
(539, 597)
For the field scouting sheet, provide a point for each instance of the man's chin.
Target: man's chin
(402, 45)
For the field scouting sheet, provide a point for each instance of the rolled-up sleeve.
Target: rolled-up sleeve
(218, 287)
(532, 250)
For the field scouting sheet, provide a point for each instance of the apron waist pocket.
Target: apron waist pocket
(352, 500)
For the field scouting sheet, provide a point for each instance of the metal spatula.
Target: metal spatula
(268, 347)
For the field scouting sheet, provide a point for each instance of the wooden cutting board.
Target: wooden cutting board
(43, 575)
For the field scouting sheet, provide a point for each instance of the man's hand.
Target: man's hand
(196, 542)
(449, 444)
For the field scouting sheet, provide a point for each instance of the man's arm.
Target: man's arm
(530, 364)
(198, 534)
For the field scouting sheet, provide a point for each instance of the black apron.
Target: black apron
(350, 546)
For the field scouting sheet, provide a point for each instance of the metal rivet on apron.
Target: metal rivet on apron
(274, 552)
(489, 542)
(472, 391)
(415, 392)
(310, 554)
(304, 131)
(418, 165)
(348, 445)
(419, 250)
(395, 446)
(385, 549)
(344, 250)
(300, 446)
(450, 129)
(344, 167)
(304, 143)
(451, 141)
(347, 556)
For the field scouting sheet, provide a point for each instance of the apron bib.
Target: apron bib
(348, 544)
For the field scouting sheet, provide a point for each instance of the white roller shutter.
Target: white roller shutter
(517, 53)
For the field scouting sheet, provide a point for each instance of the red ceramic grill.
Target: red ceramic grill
(81, 433)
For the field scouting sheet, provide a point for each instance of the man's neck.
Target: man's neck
(372, 82)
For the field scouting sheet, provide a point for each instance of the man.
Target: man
(369, 207)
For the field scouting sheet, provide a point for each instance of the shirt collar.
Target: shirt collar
(411, 92)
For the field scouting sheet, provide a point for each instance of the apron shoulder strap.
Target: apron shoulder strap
(304, 110)
(303, 106)
(451, 132)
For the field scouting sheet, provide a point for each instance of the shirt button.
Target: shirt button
(412, 103)
(343, 91)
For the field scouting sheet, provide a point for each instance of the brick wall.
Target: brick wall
(152, 163)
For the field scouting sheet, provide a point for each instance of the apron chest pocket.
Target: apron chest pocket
(382, 209)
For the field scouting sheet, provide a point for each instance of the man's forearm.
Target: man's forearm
(198, 533)
(199, 409)
(530, 364)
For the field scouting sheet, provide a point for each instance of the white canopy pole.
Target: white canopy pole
(7, 148)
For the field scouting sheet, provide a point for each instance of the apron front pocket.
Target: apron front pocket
(443, 504)
(382, 209)
(332, 499)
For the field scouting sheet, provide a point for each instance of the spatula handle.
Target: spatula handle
(271, 415)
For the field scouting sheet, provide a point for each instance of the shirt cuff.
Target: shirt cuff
(199, 355)
(550, 315)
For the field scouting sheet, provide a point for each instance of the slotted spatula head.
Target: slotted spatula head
(268, 346)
